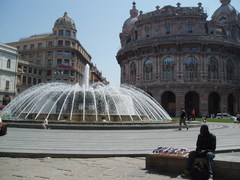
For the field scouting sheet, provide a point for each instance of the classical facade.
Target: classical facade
(182, 59)
(8, 64)
(57, 56)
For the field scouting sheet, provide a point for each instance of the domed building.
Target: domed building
(58, 56)
(182, 59)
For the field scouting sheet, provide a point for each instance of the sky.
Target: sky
(98, 23)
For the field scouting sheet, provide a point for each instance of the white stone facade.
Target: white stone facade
(8, 64)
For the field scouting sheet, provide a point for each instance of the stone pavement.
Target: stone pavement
(112, 142)
(125, 150)
(116, 168)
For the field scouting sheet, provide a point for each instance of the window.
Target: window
(34, 81)
(168, 68)
(66, 62)
(32, 55)
(49, 72)
(39, 45)
(133, 72)
(167, 29)
(50, 53)
(49, 63)
(190, 28)
(148, 70)
(50, 44)
(7, 85)
(32, 46)
(24, 56)
(68, 33)
(67, 43)
(24, 81)
(147, 33)
(59, 53)
(29, 70)
(212, 68)
(24, 69)
(34, 71)
(60, 43)
(59, 62)
(29, 81)
(39, 54)
(67, 53)
(25, 47)
(60, 32)
(8, 63)
(190, 68)
(230, 69)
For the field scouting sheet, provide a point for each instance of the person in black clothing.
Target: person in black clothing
(183, 119)
(206, 146)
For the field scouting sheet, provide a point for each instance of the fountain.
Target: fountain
(96, 102)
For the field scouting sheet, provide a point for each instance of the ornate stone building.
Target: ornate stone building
(57, 56)
(182, 59)
(8, 65)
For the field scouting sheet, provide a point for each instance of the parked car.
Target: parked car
(225, 116)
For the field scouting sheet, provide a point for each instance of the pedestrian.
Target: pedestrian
(206, 145)
(183, 119)
(193, 114)
(45, 123)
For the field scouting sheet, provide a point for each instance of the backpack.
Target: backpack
(199, 171)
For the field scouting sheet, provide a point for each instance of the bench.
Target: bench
(224, 167)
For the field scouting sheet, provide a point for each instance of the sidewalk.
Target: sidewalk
(130, 145)
(118, 168)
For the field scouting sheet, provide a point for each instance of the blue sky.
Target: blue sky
(98, 23)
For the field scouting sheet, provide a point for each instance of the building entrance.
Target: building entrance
(169, 103)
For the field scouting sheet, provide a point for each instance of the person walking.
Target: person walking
(206, 146)
(193, 115)
(183, 119)
(45, 123)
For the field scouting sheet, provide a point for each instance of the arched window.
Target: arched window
(133, 72)
(9, 63)
(212, 68)
(191, 67)
(148, 70)
(168, 68)
(230, 69)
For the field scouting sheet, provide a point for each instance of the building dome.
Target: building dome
(129, 23)
(182, 59)
(65, 21)
(225, 13)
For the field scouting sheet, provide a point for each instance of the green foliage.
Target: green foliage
(210, 120)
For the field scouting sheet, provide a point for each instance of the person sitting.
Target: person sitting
(206, 146)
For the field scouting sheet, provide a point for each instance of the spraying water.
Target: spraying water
(96, 102)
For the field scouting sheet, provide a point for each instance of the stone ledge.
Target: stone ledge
(223, 168)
